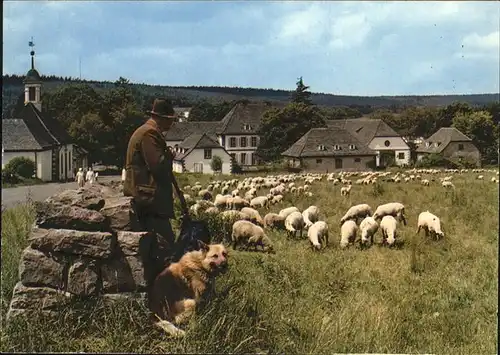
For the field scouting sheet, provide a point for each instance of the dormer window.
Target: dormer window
(352, 146)
(436, 144)
(336, 147)
(321, 147)
(427, 144)
(247, 127)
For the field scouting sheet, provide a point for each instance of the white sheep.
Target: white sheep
(388, 227)
(348, 233)
(274, 220)
(221, 200)
(205, 195)
(310, 215)
(286, 211)
(317, 234)
(237, 203)
(259, 201)
(245, 232)
(277, 199)
(447, 184)
(294, 222)
(253, 215)
(394, 209)
(345, 190)
(431, 225)
(357, 211)
(368, 227)
(425, 182)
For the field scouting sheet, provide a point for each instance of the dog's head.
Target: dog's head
(214, 257)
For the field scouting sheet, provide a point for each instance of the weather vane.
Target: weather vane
(31, 44)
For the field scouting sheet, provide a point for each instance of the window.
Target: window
(352, 146)
(460, 146)
(427, 144)
(338, 163)
(357, 160)
(321, 147)
(254, 159)
(243, 158)
(233, 156)
(243, 142)
(401, 156)
(387, 143)
(336, 147)
(319, 161)
(253, 141)
(232, 142)
(208, 154)
(32, 94)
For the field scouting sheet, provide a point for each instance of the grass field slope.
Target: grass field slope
(424, 296)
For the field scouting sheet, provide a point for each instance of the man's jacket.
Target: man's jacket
(149, 171)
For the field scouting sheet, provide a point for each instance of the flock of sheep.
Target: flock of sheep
(238, 202)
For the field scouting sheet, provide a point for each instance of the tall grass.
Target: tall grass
(426, 296)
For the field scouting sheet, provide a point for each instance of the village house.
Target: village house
(34, 135)
(195, 153)
(452, 144)
(324, 150)
(377, 135)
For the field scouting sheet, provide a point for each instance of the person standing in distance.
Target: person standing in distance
(148, 180)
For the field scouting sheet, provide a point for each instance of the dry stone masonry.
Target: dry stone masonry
(85, 243)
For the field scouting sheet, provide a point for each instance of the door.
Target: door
(198, 168)
(338, 163)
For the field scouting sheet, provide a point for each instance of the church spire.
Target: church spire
(32, 45)
(33, 83)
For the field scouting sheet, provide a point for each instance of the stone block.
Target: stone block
(40, 269)
(49, 215)
(120, 214)
(88, 197)
(134, 243)
(123, 274)
(83, 277)
(39, 298)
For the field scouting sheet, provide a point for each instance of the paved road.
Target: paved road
(18, 195)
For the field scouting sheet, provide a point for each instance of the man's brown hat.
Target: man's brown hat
(162, 108)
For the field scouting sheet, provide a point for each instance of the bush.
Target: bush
(436, 161)
(216, 163)
(21, 166)
(9, 178)
(236, 168)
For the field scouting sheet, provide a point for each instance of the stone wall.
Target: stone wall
(85, 243)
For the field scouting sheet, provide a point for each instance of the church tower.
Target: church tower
(33, 83)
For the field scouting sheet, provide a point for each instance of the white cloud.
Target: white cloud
(350, 31)
(475, 46)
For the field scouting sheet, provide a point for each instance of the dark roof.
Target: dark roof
(181, 130)
(16, 136)
(442, 137)
(364, 128)
(32, 76)
(197, 141)
(243, 114)
(308, 144)
(46, 131)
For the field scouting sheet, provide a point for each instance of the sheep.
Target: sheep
(318, 233)
(425, 182)
(431, 225)
(388, 227)
(237, 203)
(274, 220)
(368, 227)
(348, 233)
(253, 215)
(310, 215)
(294, 222)
(221, 200)
(448, 184)
(357, 211)
(277, 199)
(205, 195)
(394, 209)
(260, 201)
(250, 234)
(212, 210)
(345, 190)
(286, 211)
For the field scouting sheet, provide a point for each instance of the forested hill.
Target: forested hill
(189, 95)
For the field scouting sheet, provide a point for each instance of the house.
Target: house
(329, 149)
(378, 136)
(34, 135)
(194, 154)
(182, 113)
(236, 133)
(451, 144)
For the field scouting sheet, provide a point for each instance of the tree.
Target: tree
(301, 95)
(208, 111)
(479, 127)
(281, 128)
(21, 166)
(216, 163)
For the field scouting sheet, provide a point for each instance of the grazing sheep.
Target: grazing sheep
(235, 193)
(355, 212)
(394, 209)
(317, 234)
(249, 234)
(274, 220)
(286, 211)
(368, 227)
(205, 195)
(233, 214)
(294, 222)
(221, 200)
(260, 201)
(431, 225)
(253, 215)
(310, 215)
(212, 210)
(425, 182)
(348, 233)
(448, 184)
(277, 199)
(237, 203)
(388, 226)
(345, 190)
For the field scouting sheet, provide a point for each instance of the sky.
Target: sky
(347, 48)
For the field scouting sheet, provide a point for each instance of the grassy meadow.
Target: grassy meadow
(425, 296)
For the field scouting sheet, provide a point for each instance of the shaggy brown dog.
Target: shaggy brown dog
(181, 286)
